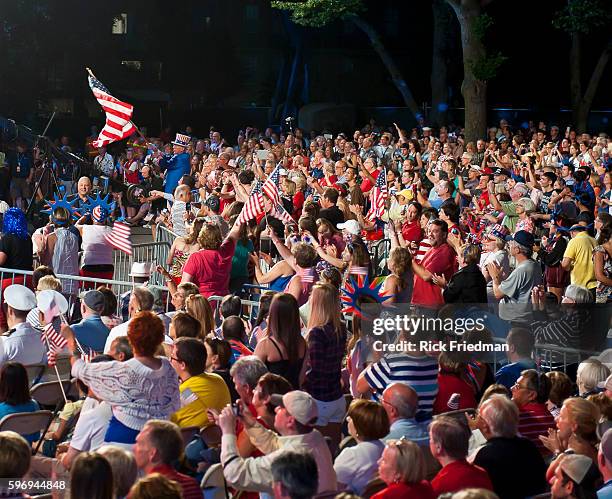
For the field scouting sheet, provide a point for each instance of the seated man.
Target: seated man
(158, 446)
(200, 390)
(505, 451)
(449, 442)
(296, 414)
(400, 402)
(295, 475)
(91, 332)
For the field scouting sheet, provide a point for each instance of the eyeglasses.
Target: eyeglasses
(176, 359)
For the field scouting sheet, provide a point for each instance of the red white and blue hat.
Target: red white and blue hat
(182, 140)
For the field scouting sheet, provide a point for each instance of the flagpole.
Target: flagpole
(59, 380)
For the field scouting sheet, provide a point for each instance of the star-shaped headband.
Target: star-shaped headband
(354, 290)
(99, 208)
(61, 202)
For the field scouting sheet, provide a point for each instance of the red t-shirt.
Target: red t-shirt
(534, 420)
(367, 184)
(298, 203)
(210, 269)
(191, 488)
(449, 384)
(460, 475)
(412, 232)
(439, 260)
(401, 490)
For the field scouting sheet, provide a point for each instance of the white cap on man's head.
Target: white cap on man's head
(19, 297)
(299, 404)
(140, 269)
(351, 226)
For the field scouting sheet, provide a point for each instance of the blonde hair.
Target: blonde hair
(49, 282)
(198, 307)
(154, 486)
(290, 187)
(124, 468)
(409, 460)
(325, 307)
(15, 456)
(210, 237)
(585, 415)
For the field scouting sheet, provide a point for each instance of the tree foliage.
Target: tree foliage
(485, 68)
(317, 13)
(583, 16)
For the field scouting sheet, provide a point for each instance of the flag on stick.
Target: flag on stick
(378, 197)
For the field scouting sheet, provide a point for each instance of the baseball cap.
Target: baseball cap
(501, 171)
(524, 238)
(606, 445)
(351, 226)
(475, 167)
(499, 231)
(94, 300)
(299, 404)
(213, 203)
(407, 193)
(576, 466)
(19, 297)
(140, 269)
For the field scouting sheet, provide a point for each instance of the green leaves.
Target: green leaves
(582, 16)
(486, 67)
(317, 13)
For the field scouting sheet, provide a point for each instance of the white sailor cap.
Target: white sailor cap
(19, 297)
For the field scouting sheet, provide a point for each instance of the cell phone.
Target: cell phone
(236, 409)
(262, 154)
(328, 136)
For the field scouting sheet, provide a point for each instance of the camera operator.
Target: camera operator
(151, 182)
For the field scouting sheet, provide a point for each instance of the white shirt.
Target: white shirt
(91, 427)
(23, 345)
(356, 466)
(120, 330)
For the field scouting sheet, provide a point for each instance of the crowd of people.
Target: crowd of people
(177, 384)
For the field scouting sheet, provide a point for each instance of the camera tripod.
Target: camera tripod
(47, 171)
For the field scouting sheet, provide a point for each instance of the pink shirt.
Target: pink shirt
(210, 269)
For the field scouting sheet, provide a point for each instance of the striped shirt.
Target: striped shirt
(424, 246)
(535, 420)
(420, 373)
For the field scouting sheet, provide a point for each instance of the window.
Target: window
(120, 24)
(133, 65)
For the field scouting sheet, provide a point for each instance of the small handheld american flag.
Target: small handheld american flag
(378, 197)
(254, 205)
(120, 237)
(55, 343)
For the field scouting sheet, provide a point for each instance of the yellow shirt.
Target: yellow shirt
(198, 394)
(580, 250)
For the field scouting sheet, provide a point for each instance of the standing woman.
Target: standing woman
(326, 347)
(181, 249)
(602, 258)
(551, 253)
(283, 349)
(97, 258)
(61, 249)
(15, 253)
(142, 388)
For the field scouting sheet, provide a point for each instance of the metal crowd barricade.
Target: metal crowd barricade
(155, 253)
(118, 287)
(164, 235)
(250, 308)
(550, 357)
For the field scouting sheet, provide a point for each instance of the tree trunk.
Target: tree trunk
(439, 63)
(581, 104)
(474, 91)
(394, 72)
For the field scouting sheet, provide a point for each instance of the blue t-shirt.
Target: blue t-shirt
(508, 374)
(31, 406)
(91, 333)
(606, 491)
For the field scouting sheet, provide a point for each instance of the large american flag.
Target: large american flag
(118, 115)
(378, 196)
(120, 237)
(254, 205)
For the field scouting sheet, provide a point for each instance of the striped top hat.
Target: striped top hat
(182, 140)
